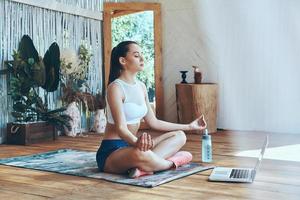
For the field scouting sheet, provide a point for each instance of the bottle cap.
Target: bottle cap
(205, 135)
(205, 132)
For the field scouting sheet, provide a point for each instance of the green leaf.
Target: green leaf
(19, 107)
(57, 110)
(28, 118)
(27, 49)
(17, 114)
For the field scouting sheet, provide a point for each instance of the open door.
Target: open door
(114, 10)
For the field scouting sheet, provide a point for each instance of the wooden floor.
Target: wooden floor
(276, 179)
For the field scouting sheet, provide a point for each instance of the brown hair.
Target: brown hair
(115, 66)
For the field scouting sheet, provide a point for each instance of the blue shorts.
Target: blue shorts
(106, 148)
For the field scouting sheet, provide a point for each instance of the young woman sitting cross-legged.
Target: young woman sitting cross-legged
(121, 151)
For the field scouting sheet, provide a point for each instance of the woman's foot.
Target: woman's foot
(181, 158)
(135, 173)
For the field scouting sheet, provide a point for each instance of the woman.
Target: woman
(127, 103)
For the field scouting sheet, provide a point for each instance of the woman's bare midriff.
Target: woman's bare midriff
(111, 133)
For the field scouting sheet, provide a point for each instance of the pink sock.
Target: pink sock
(135, 173)
(181, 158)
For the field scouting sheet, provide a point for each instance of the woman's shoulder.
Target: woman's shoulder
(114, 91)
(114, 87)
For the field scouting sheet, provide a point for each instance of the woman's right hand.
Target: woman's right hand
(145, 142)
(198, 124)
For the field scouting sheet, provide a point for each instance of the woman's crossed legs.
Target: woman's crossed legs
(165, 146)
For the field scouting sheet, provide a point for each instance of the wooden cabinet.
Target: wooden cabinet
(196, 99)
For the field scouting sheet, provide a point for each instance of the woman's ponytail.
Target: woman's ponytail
(115, 69)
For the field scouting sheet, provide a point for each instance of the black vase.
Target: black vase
(183, 76)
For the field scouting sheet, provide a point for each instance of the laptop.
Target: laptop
(242, 175)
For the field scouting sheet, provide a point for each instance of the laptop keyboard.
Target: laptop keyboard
(239, 173)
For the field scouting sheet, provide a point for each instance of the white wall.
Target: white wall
(184, 44)
(256, 47)
(250, 48)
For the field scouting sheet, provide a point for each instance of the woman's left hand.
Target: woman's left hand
(198, 124)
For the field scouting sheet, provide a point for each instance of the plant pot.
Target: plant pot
(99, 121)
(30, 133)
(74, 112)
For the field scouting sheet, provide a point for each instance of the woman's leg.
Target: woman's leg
(129, 157)
(126, 158)
(169, 143)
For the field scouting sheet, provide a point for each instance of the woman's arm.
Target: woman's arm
(115, 98)
(154, 123)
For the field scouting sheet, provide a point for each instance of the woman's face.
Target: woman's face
(134, 60)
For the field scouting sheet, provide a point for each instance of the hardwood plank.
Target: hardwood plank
(15, 195)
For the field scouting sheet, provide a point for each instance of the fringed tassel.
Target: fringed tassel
(44, 27)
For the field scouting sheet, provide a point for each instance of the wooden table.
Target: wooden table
(196, 99)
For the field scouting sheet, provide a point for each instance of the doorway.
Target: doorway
(116, 14)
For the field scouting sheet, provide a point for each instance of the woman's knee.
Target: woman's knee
(180, 135)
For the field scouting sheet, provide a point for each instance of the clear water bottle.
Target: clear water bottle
(206, 147)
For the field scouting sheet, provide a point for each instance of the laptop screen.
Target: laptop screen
(262, 152)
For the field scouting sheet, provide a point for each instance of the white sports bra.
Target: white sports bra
(134, 105)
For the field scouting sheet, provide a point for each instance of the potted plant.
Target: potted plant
(76, 93)
(27, 73)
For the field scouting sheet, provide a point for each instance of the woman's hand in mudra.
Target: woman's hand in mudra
(198, 124)
(145, 142)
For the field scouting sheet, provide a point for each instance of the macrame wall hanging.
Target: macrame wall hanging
(46, 25)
